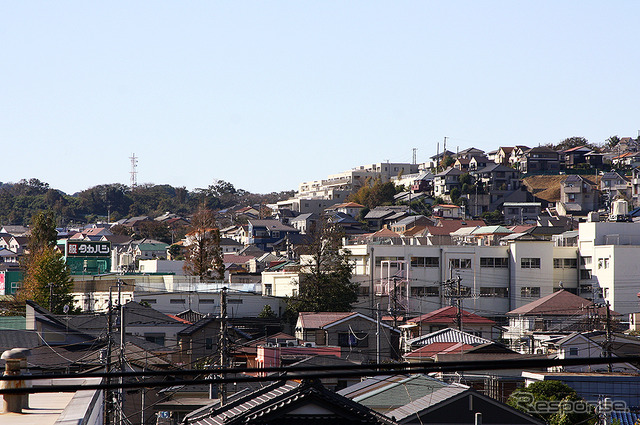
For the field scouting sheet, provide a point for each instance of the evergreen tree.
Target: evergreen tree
(43, 231)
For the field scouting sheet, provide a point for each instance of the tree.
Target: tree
(43, 231)
(547, 394)
(46, 275)
(204, 255)
(267, 312)
(612, 142)
(325, 282)
(373, 194)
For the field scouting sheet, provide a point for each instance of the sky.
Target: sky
(266, 95)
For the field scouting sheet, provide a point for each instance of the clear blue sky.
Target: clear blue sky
(266, 94)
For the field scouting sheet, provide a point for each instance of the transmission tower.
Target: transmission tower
(133, 172)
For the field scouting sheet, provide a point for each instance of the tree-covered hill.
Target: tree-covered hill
(20, 201)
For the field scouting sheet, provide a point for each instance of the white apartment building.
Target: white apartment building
(316, 195)
(611, 263)
(494, 279)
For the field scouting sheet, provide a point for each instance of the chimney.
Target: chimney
(14, 403)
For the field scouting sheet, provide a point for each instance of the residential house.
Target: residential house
(516, 156)
(446, 317)
(351, 208)
(448, 211)
(354, 332)
(577, 196)
(420, 399)
(150, 250)
(285, 402)
(462, 164)
(19, 244)
(540, 159)
(264, 233)
(230, 246)
(379, 216)
(613, 185)
(478, 163)
(445, 181)
(410, 222)
(469, 153)
(558, 312)
(575, 156)
(521, 212)
(496, 177)
(580, 345)
(201, 340)
(503, 154)
(346, 222)
(15, 230)
(304, 222)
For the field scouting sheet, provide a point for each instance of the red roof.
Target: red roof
(447, 206)
(447, 315)
(447, 226)
(384, 232)
(319, 320)
(438, 348)
(179, 319)
(237, 259)
(560, 303)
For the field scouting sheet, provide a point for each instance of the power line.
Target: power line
(317, 372)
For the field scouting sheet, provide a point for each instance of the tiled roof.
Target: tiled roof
(447, 315)
(319, 320)
(428, 351)
(561, 303)
(281, 398)
(448, 335)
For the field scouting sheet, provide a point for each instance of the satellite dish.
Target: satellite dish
(65, 308)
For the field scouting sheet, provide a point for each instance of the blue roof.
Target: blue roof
(625, 418)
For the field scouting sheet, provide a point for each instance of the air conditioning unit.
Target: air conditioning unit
(309, 344)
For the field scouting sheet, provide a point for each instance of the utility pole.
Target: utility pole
(223, 343)
(122, 356)
(608, 336)
(107, 393)
(459, 304)
(378, 333)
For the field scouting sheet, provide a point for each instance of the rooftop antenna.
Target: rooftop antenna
(133, 172)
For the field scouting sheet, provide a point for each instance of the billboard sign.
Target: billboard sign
(88, 249)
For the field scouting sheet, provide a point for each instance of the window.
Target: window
(603, 263)
(530, 263)
(353, 339)
(586, 261)
(530, 292)
(208, 344)
(573, 351)
(149, 300)
(379, 260)
(494, 292)
(460, 263)
(234, 301)
(494, 262)
(565, 263)
(363, 291)
(207, 301)
(157, 338)
(585, 274)
(425, 261)
(176, 301)
(268, 289)
(425, 291)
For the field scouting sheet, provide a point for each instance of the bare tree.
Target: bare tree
(204, 256)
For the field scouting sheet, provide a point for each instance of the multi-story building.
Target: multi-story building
(494, 279)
